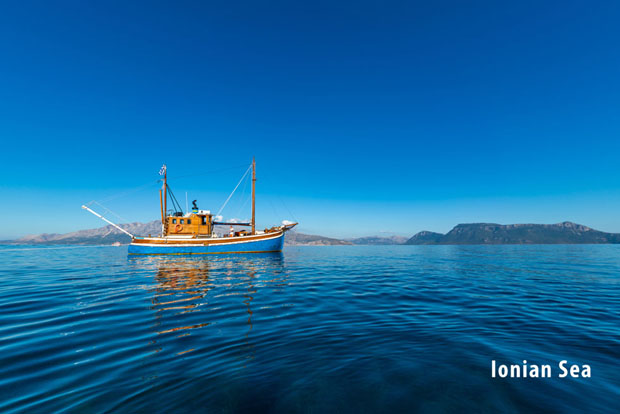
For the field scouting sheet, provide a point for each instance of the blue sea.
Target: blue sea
(315, 329)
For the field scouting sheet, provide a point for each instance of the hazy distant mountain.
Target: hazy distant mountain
(378, 240)
(101, 235)
(490, 233)
(294, 238)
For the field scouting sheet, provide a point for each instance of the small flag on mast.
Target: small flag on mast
(162, 170)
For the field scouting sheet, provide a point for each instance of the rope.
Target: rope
(209, 172)
(275, 210)
(233, 191)
(127, 192)
(286, 207)
(244, 196)
(175, 203)
(107, 210)
(150, 183)
(244, 204)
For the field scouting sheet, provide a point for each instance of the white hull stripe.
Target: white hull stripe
(176, 244)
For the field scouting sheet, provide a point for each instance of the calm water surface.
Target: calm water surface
(314, 329)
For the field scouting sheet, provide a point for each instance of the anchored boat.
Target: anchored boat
(194, 232)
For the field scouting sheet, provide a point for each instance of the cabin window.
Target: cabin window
(174, 221)
(204, 221)
(181, 221)
(189, 221)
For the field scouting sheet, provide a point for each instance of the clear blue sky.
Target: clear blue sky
(364, 117)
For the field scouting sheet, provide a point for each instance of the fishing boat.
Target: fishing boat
(193, 232)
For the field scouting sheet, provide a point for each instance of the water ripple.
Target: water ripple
(316, 329)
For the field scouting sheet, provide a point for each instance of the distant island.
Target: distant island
(472, 233)
(491, 233)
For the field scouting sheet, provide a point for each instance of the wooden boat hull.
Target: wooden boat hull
(269, 242)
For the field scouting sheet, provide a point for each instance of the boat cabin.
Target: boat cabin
(198, 223)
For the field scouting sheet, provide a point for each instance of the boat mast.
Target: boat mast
(253, 196)
(161, 208)
(165, 189)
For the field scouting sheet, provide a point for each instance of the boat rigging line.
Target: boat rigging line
(175, 203)
(287, 209)
(127, 192)
(233, 191)
(108, 221)
(107, 210)
(209, 172)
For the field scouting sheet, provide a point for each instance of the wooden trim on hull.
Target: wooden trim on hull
(205, 241)
(270, 242)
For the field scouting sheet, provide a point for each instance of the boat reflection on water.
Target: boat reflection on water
(208, 297)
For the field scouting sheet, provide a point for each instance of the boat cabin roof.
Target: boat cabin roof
(192, 213)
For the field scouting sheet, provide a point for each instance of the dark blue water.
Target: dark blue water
(314, 329)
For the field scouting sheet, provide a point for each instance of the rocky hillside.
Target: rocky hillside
(490, 233)
(101, 235)
(425, 237)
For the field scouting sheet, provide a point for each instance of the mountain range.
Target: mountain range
(101, 235)
(111, 235)
(472, 233)
(491, 233)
